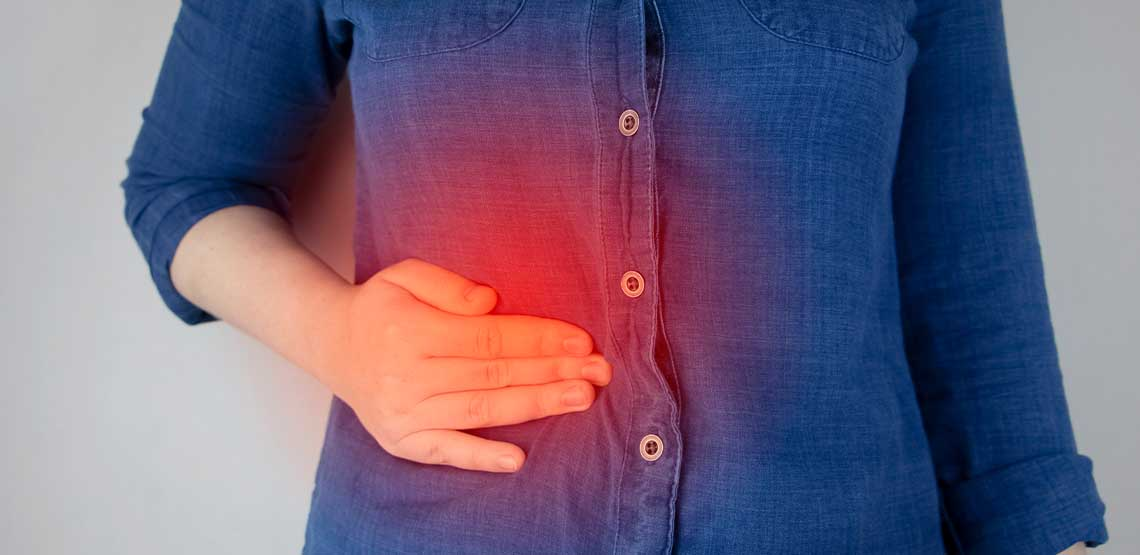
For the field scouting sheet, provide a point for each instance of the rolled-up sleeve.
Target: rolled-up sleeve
(976, 318)
(242, 88)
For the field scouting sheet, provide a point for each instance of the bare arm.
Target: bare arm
(243, 265)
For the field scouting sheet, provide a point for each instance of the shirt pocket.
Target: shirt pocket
(393, 29)
(874, 29)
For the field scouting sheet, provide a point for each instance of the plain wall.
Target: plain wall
(127, 432)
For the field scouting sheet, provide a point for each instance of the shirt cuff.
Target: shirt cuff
(178, 220)
(1038, 507)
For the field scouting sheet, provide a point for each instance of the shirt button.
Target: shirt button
(628, 123)
(632, 284)
(651, 447)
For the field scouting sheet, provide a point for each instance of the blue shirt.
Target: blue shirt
(801, 231)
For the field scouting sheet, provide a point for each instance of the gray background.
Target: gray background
(125, 431)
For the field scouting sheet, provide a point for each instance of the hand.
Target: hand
(418, 358)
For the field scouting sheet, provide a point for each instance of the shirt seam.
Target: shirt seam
(616, 507)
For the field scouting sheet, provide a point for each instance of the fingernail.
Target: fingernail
(594, 371)
(573, 397)
(577, 345)
(507, 462)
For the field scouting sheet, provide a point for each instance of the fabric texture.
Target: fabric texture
(844, 340)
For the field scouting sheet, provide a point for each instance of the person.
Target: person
(633, 276)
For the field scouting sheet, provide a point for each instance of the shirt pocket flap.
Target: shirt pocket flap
(390, 30)
(875, 29)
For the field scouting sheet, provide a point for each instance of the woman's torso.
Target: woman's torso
(755, 200)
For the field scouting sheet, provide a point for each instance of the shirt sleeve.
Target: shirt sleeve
(976, 319)
(242, 88)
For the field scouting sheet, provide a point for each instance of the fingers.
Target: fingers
(502, 335)
(441, 288)
(461, 450)
(499, 407)
(449, 374)
(461, 327)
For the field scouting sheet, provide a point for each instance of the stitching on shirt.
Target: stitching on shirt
(661, 62)
(616, 507)
(649, 168)
(898, 50)
(654, 237)
(658, 321)
(433, 51)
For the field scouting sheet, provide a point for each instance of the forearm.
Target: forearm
(243, 265)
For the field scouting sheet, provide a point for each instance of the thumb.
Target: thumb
(441, 288)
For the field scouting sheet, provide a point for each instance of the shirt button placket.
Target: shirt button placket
(648, 483)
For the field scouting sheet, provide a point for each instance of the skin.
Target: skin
(412, 350)
(1075, 549)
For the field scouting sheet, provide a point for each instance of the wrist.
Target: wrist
(326, 328)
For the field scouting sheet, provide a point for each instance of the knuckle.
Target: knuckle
(497, 373)
(544, 405)
(478, 409)
(564, 369)
(489, 340)
(435, 454)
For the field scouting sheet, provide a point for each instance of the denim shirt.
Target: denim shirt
(801, 231)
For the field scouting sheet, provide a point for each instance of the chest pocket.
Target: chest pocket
(392, 29)
(875, 29)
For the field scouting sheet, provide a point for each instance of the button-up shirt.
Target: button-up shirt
(801, 231)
